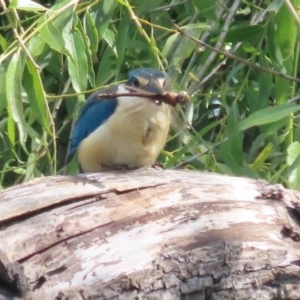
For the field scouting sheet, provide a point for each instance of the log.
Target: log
(149, 234)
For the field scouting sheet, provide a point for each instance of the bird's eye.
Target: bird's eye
(135, 82)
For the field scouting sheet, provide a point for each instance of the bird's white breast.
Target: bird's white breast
(133, 136)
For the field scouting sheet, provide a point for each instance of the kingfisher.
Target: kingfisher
(120, 127)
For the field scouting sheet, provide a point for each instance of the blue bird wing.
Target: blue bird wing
(94, 113)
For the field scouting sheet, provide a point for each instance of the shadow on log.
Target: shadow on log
(149, 234)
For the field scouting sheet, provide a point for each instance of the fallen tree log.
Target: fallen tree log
(149, 234)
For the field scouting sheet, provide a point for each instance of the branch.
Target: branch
(237, 58)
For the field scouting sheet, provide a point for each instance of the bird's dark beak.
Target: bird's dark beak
(156, 86)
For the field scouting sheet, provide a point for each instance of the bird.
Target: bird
(123, 129)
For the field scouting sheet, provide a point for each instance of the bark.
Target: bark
(149, 234)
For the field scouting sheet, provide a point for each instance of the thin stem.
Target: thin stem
(292, 11)
(168, 97)
(223, 34)
(142, 31)
(38, 28)
(237, 58)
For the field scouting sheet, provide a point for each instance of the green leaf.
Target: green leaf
(108, 63)
(27, 5)
(269, 132)
(30, 166)
(293, 161)
(108, 6)
(286, 37)
(231, 150)
(77, 60)
(2, 89)
(265, 86)
(207, 8)
(35, 91)
(263, 155)
(14, 95)
(249, 48)
(179, 47)
(88, 53)
(275, 6)
(268, 115)
(53, 37)
(293, 152)
(51, 31)
(11, 128)
(235, 138)
(122, 2)
(193, 26)
(109, 36)
(122, 40)
(282, 90)
(244, 32)
(91, 32)
(37, 45)
(3, 43)
(63, 3)
(146, 6)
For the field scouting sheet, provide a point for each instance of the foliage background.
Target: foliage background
(243, 118)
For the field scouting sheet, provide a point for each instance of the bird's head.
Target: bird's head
(147, 79)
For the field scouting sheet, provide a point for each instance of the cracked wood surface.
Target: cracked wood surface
(149, 234)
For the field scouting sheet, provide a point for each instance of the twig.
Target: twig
(221, 38)
(15, 31)
(170, 98)
(141, 30)
(237, 58)
(292, 11)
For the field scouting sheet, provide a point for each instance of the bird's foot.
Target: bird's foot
(158, 166)
(120, 167)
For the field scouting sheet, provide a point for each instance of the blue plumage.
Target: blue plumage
(94, 113)
(149, 73)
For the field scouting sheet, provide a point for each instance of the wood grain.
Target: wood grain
(152, 234)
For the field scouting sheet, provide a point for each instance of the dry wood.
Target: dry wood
(149, 234)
